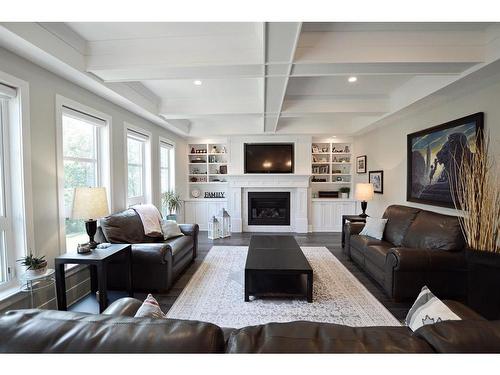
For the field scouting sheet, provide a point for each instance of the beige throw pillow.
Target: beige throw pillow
(170, 229)
(150, 308)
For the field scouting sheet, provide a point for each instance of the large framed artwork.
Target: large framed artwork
(431, 156)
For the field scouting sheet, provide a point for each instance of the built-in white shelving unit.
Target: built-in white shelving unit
(331, 164)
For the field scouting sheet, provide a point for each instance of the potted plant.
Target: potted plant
(34, 266)
(173, 202)
(476, 191)
(344, 192)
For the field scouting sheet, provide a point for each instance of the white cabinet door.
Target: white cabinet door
(201, 215)
(327, 216)
(190, 212)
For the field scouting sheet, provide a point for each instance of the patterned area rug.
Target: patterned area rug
(215, 294)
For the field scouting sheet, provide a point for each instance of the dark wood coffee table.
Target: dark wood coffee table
(277, 267)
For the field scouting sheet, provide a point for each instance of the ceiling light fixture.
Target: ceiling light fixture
(198, 82)
(352, 79)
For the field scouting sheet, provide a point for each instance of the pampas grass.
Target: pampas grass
(475, 190)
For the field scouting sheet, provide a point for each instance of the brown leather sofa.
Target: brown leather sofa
(156, 262)
(418, 248)
(116, 331)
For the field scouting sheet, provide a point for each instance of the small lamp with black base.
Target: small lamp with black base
(89, 204)
(364, 193)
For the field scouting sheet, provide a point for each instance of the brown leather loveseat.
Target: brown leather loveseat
(418, 248)
(156, 262)
(116, 331)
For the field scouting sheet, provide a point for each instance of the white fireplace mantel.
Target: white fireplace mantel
(240, 185)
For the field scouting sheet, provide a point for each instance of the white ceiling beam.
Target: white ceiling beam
(336, 105)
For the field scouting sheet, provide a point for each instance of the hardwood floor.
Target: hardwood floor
(330, 240)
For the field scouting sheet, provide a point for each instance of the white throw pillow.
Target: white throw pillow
(170, 229)
(428, 309)
(150, 308)
(374, 227)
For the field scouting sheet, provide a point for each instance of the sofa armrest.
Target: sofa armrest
(147, 253)
(123, 307)
(191, 230)
(464, 312)
(411, 259)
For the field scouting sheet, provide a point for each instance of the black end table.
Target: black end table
(98, 261)
(276, 266)
(352, 219)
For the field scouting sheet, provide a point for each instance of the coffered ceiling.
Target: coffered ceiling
(201, 79)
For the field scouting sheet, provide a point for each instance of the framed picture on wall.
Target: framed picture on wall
(361, 164)
(377, 179)
(432, 157)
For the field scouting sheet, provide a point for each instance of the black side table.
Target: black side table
(98, 261)
(352, 219)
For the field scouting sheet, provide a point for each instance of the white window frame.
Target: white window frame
(17, 173)
(104, 156)
(145, 136)
(170, 145)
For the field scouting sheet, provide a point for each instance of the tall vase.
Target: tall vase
(484, 283)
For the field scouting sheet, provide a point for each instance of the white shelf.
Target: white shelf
(347, 166)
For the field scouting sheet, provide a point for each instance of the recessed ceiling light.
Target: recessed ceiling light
(352, 79)
(197, 82)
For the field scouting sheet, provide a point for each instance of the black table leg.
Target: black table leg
(343, 232)
(102, 282)
(130, 287)
(247, 280)
(93, 278)
(309, 287)
(61, 287)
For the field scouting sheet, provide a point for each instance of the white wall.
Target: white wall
(385, 147)
(43, 87)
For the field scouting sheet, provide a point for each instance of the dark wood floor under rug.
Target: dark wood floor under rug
(330, 240)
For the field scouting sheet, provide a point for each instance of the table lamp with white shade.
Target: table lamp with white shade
(89, 204)
(364, 193)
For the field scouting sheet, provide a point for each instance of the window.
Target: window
(84, 161)
(166, 169)
(138, 167)
(4, 218)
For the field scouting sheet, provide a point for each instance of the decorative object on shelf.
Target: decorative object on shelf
(193, 179)
(361, 164)
(89, 204)
(214, 194)
(318, 179)
(198, 160)
(324, 149)
(344, 192)
(476, 191)
(213, 229)
(434, 149)
(214, 150)
(34, 266)
(315, 149)
(224, 151)
(223, 169)
(364, 193)
(192, 150)
(339, 179)
(328, 194)
(376, 178)
(172, 202)
(195, 193)
(225, 223)
(346, 149)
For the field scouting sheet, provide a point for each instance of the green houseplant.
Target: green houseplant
(34, 266)
(172, 202)
(476, 192)
(344, 192)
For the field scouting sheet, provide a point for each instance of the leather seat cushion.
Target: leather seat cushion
(399, 219)
(180, 244)
(377, 253)
(431, 230)
(360, 243)
(311, 337)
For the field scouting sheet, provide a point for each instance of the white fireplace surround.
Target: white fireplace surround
(240, 185)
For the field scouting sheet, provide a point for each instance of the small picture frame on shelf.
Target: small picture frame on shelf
(361, 164)
(223, 169)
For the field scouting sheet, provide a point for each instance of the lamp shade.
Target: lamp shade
(90, 203)
(364, 192)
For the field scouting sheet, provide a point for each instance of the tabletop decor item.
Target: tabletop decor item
(364, 193)
(225, 223)
(476, 191)
(430, 155)
(376, 178)
(35, 266)
(344, 192)
(89, 204)
(173, 202)
(195, 193)
(360, 164)
(213, 228)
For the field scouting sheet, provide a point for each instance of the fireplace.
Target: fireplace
(268, 208)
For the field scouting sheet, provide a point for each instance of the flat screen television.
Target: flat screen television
(269, 158)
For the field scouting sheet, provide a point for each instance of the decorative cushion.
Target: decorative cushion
(428, 309)
(150, 308)
(170, 229)
(374, 227)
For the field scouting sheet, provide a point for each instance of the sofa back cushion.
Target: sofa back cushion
(431, 230)
(46, 331)
(399, 219)
(125, 227)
